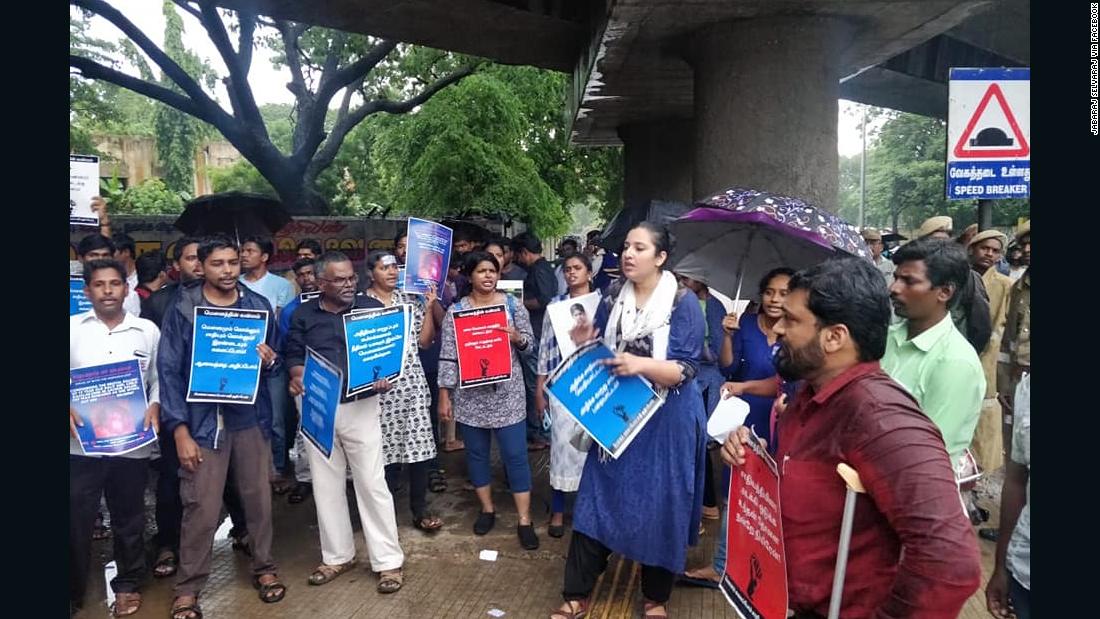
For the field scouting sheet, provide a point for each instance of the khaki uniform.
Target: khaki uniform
(988, 443)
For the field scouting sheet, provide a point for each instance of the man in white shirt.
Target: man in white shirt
(256, 251)
(107, 334)
(99, 247)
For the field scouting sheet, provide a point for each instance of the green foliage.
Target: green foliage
(905, 176)
(178, 134)
(150, 197)
(241, 176)
(462, 153)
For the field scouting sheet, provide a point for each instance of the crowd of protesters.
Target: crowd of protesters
(914, 367)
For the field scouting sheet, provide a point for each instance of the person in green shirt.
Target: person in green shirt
(925, 352)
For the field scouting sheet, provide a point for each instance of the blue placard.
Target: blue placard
(225, 364)
(375, 346)
(322, 382)
(429, 255)
(611, 409)
(110, 400)
(988, 180)
(78, 301)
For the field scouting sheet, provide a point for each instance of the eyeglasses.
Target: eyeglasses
(342, 281)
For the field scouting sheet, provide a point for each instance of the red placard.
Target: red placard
(484, 352)
(755, 580)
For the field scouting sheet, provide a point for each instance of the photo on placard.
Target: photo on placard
(566, 315)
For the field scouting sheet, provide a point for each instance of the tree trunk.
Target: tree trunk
(299, 197)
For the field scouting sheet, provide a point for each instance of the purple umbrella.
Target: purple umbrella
(740, 234)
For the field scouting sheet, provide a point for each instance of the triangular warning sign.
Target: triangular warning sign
(971, 146)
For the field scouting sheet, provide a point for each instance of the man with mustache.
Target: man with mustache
(912, 551)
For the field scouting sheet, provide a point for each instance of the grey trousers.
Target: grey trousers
(201, 493)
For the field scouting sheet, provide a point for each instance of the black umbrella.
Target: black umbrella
(656, 211)
(235, 214)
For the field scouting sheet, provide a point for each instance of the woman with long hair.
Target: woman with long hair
(407, 434)
(566, 461)
(646, 504)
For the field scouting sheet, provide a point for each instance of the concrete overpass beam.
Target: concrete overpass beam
(765, 103)
(657, 161)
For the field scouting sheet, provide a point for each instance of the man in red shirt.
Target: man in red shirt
(912, 551)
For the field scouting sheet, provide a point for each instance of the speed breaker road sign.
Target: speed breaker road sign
(989, 134)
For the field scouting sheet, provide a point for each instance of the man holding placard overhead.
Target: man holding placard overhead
(319, 325)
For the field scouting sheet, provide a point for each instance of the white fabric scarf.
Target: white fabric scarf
(653, 319)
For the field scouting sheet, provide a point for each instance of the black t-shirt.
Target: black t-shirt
(541, 284)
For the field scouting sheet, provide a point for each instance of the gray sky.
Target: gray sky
(269, 84)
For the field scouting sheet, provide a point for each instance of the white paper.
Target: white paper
(83, 186)
(513, 287)
(109, 572)
(732, 307)
(488, 555)
(563, 317)
(727, 416)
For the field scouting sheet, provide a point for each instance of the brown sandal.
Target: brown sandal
(650, 606)
(186, 611)
(270, 592)
(390, 581)
(327, 573)
(126, 604)
(578, 609)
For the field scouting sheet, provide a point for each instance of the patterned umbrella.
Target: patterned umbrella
(737, 236)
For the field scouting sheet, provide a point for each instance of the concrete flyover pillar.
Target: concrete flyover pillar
(765, 101)
(657, 162)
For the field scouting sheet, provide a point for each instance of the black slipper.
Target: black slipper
(484, 523)
(556, 530)
(527, 537)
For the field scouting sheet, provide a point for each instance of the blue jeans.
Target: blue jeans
(1019, 597)
(720, 545)
(528, 360)
(511, 440)
(277, 383)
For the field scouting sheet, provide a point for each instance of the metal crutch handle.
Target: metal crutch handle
(855, 486)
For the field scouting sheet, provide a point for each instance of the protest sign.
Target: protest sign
(111, 401)
(83, 186)
(512, 287)
(78, 301)
(376, 341)
(755, 578)
(611, 409)
(322, 381)
(484, 352)
(225, 364)
(564, 315)
(429, 255)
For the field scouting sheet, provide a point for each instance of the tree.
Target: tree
(323, 64)
(463, 153)
(178, 135)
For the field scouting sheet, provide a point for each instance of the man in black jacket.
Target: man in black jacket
(210, 435)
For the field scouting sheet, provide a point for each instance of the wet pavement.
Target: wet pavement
(444, 577)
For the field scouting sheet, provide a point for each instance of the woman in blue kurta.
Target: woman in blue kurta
(747, 354)
(646, 504)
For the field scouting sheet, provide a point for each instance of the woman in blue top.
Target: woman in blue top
(747, 354)
(646, 504)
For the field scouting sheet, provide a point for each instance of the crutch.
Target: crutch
(855, 486)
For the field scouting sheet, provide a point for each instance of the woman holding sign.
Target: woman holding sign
(566, 461)
(483, 334)
(633, 505)
(407, 436)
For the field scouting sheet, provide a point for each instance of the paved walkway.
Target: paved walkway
(444, 578)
